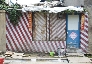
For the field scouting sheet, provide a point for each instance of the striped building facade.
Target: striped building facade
(48, 33)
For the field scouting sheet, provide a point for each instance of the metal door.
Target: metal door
(73, 31)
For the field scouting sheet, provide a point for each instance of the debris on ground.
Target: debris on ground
(8, 54)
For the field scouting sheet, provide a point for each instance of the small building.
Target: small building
(45, 27)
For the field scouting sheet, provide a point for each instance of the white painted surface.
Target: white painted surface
(73, 22)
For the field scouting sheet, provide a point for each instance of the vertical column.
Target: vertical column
(2, 31)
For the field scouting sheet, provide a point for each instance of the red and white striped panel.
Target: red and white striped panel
(19, 38)
(47, 46)
(57, 28)
(84, 35)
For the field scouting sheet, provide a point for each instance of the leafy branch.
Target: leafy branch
(13, 12)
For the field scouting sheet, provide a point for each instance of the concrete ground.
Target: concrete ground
(44, 63)
(72, 60)
(40, 58)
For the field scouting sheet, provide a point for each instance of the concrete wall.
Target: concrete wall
(2, 31)
(88, 6)
(74, 2)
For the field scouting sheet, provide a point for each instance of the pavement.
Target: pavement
(19, 58)
(44, 63)
(72, 60)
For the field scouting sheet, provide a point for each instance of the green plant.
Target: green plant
(14, 14)
(12, 11)
(52, 53)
